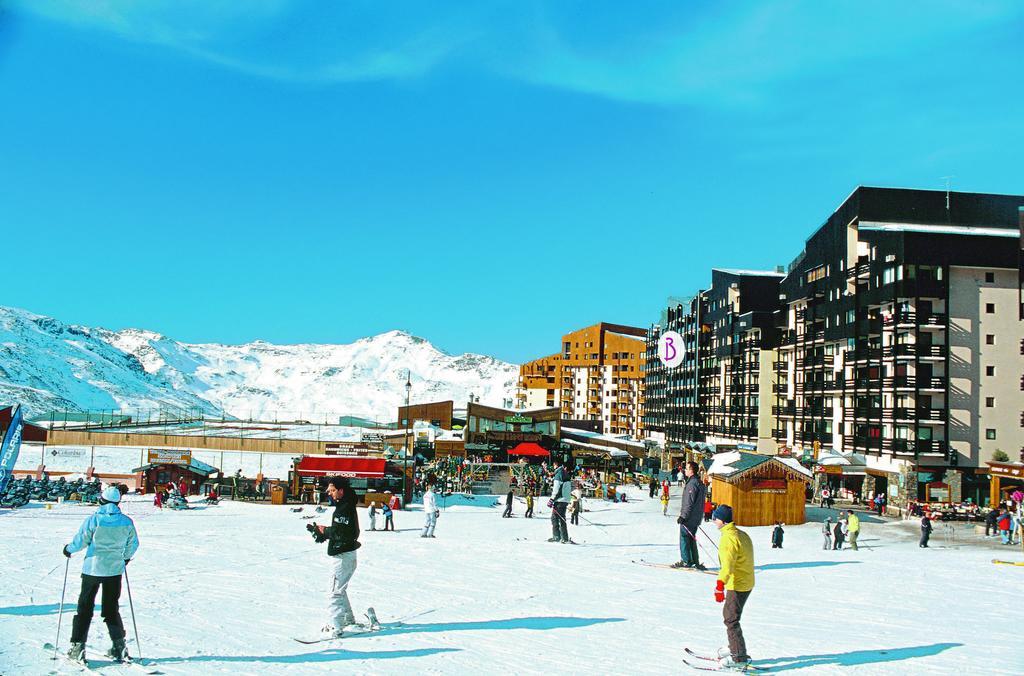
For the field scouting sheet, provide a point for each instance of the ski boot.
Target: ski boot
(77, 653)
(731, 663)
(118, 651)
(554, 539)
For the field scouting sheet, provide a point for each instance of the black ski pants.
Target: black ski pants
(508, 510)
(87, 603)
(559, 528)
(575, 518)
(731, 613)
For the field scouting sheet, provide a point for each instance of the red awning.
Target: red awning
(332, 465)
(531, 449)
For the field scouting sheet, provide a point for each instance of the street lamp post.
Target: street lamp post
(408, 437)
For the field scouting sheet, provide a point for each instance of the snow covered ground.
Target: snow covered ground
(224, 589)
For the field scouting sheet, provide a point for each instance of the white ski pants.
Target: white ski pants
(341, 609)
(428, 526)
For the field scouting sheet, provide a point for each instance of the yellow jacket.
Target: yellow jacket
(736, 559)
(853, 523)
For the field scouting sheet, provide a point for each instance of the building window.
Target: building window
(990, 370)
(990, 308)
(990, 434)
(990, 278)
(990, 402)
(990, 339)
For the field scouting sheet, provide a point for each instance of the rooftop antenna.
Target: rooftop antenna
(948, 180)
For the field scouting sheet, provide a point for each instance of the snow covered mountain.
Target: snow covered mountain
(48, 365)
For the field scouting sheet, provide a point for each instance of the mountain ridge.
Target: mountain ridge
(49, 365)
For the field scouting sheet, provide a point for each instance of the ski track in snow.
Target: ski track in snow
(227, 595)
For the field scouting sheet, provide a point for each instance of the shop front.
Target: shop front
(167, 467)
(493, 432)
(366, 475)
(1005, 478)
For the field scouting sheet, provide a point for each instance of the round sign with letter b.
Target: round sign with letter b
(670, 349)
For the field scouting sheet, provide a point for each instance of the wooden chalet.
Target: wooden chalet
(761, 489)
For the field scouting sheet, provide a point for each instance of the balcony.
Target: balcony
(867, 412)
(869, 326)
(859, 272)
(867, 353)
(931, 414)
(931, 320)
(788, 410)
(933, 383)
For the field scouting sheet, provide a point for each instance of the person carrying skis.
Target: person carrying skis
(777, 535)
(342, 538)
(853, 528)
(826, 530)
(926, 531)
(508, 505)
(561, 493)
(110, 540)
(735, 582)
(431, 512)
(690, 515)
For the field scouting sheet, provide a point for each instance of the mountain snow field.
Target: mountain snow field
(48, 365)
(225, 589)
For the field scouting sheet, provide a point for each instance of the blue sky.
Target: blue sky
(486, 176)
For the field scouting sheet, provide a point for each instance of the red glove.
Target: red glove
(720, 592)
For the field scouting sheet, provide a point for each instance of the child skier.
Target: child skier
(664, 504)
(735, 582)
(777, 534)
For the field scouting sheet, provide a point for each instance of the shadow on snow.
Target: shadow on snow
(532, 623)
(43, 609)
(801, 564)
(330, 655)
(855, 658)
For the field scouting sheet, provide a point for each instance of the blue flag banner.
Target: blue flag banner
(9, 448)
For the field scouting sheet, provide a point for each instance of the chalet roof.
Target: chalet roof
(734, 465)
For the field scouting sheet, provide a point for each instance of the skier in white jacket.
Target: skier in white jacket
(431, 512)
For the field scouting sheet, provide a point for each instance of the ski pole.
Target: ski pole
(60, 613)
(708, 537)
(138, 646)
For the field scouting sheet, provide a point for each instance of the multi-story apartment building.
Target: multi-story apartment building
(722, 391)
(597, 376)
(898, 326)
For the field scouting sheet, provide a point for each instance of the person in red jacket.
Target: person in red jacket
(709, 507)
(1004, 526)
(183, 488)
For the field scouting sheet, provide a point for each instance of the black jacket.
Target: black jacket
(692, 510)
(343, 534)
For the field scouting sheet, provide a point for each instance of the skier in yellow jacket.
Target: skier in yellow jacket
(735, 580)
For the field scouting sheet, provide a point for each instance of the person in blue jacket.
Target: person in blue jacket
(110, 540)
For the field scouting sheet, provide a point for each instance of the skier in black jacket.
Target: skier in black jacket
(691, 514)
(342, 538)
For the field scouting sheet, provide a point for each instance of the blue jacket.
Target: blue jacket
(111, 539)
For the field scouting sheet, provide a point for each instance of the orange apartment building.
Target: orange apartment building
(597, 376)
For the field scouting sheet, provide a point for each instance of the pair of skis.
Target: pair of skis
(706, 660)
(372, 624)
(669, 566)
(109, 662)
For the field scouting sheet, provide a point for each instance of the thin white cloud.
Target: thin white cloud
(725, 55)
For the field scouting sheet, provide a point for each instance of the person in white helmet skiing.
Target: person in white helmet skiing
(110, 540)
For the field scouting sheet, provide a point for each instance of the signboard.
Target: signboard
(769, 486)
(894, 490)
(512, 436)
(67, 452)
(9, 447)
(519, 419)
(829, 469)
(346, 447)
(159, 456)
(372, 437)
(938, 492)
(670, 349)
